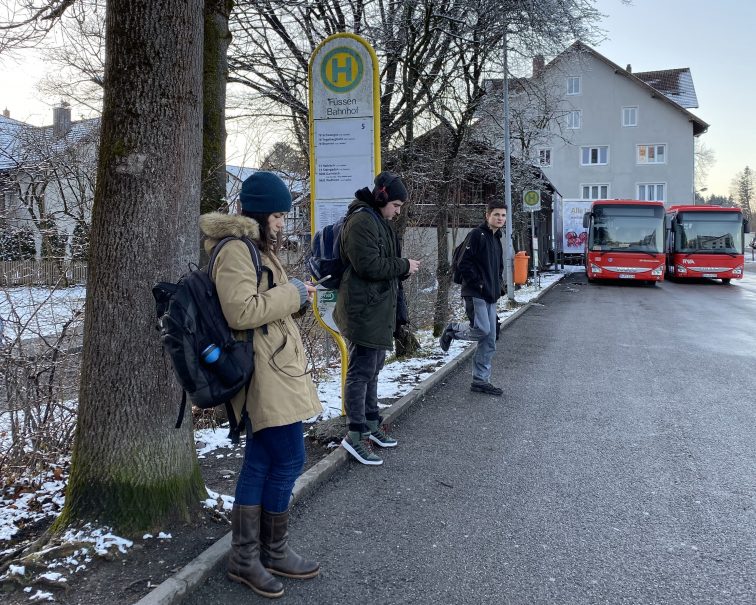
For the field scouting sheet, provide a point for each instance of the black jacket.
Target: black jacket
(482, 264)
(367, 301)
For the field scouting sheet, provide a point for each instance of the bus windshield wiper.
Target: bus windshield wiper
(652, 254)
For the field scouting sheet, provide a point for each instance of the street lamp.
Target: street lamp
(695, 194)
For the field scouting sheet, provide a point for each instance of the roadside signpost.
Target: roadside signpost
(345, 142)
(531, 201)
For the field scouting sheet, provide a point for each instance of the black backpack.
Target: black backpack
(325, 257)
(459, 252)
(209, 363)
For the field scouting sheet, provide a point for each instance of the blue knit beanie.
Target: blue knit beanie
(264, 192)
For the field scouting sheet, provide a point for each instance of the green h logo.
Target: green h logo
(341, 69)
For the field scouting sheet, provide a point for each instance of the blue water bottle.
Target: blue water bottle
(221, 364)
(211, 354)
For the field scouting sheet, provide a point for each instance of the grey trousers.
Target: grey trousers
(361, 391)
(481, 329)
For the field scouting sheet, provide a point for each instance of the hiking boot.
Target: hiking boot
(360, 448)
(479, 386)
(446, 338)
(378, 436)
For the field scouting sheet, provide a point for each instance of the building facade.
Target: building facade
(598, 130)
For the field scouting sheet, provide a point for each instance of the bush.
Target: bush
(17, 243)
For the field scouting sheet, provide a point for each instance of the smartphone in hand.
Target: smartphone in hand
(316, 282)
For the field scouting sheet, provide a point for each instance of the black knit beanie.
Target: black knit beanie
(389, 188)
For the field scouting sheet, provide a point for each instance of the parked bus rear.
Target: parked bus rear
(625, 241)
(705, 241)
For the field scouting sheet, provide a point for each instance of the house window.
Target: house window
(544, 157)
(652, 154)
(594, 156)
(651, 192)
(573, 85)
(598, 191)
(6, 203)
(574, 119)
(629, 116)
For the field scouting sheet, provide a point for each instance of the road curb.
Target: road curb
(174, 589)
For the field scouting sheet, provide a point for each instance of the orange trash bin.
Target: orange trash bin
(521, 268)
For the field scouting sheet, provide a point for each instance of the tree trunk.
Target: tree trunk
(131, 469)
(215, 74)
(441, 311)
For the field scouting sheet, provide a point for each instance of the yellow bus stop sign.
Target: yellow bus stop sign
(531, 200)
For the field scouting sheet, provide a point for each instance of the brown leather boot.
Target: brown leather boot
(244, 564)
(276, 555)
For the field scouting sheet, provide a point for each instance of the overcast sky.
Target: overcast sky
(716, 40)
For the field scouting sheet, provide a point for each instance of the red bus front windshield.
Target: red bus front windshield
(709, 233)
(619, 228)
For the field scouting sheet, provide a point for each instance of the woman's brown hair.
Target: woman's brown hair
(265, 243)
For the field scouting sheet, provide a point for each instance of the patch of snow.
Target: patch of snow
(17, 570)
(34, 312)
(53, 576)
(41, 595)
(101, 538)
(215, 499)
(164, 536)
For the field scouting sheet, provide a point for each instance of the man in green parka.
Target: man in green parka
(366, 307)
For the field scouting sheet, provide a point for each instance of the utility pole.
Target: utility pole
(507, 179)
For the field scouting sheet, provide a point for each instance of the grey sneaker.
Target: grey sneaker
(360, 449)
(446, 338)
(378, 436)
(486, 387)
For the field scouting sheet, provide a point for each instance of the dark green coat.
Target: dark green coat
(366, 306)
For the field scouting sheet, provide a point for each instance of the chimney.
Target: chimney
(629, 68)
(61, 120)
(538, 64)
(6, 113)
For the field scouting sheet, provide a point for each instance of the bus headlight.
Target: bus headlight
(738, 270)
(681, 269)
(658, 271)
(595, 268)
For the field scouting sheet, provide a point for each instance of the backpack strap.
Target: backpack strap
(254, 252)
(234, 426)
(182, 409)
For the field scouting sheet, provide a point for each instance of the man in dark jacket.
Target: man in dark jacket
(482, 270)
(366, 306)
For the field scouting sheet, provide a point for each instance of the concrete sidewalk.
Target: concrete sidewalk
(175, 588)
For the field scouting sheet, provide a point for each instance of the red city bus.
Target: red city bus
(705, 241)
(625, 241)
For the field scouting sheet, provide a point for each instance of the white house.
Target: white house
(600, 131)
(47, 177)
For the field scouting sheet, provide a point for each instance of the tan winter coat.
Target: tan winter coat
(281, 391)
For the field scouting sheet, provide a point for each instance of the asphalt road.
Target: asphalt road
(620, 467)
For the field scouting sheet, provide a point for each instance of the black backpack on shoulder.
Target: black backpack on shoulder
(209, 363)
(325, 254)
(459, 252)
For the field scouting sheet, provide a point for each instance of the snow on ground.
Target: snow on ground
(43, 496)
(38, 311)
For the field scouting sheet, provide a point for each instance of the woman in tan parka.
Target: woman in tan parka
(281, 394)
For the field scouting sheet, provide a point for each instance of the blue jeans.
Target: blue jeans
(273, 459)
(482, 329)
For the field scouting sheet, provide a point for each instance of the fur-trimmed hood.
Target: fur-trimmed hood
(215, 226)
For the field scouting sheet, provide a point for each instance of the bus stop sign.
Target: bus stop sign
(531, 200)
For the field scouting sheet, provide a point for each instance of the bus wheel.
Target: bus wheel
(726, 280)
